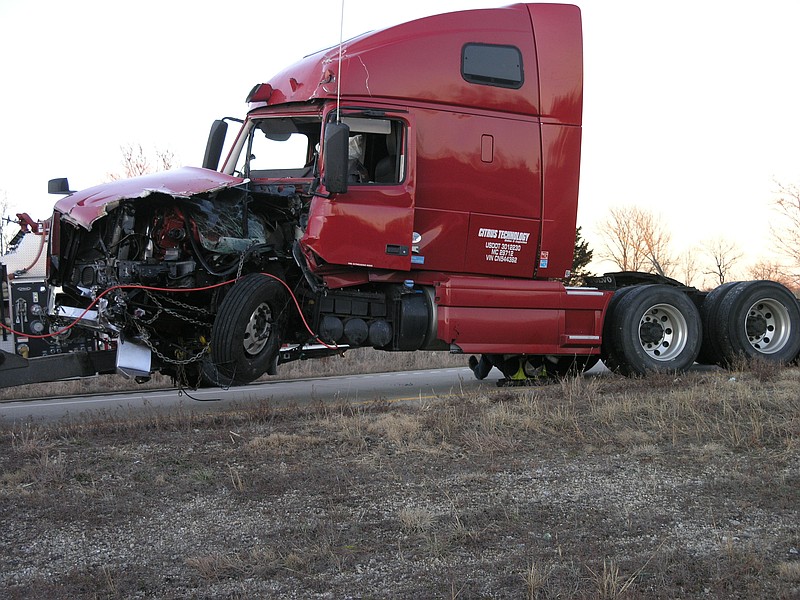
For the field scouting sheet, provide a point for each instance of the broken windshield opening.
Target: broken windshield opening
(220, 222)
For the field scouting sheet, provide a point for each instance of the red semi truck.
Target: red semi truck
(415, 188)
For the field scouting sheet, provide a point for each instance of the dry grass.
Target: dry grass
(603, 487)
(256, 562)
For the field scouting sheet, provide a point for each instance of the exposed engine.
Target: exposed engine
(167, 242)
(145, 247)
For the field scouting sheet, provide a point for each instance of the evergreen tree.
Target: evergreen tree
(581, 258)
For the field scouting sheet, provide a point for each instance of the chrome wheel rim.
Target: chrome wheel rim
(663, 332)
(258, 329)
(767, 326)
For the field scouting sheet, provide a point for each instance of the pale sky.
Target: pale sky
(691, 108)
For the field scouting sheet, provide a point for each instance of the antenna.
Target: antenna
(339, 75)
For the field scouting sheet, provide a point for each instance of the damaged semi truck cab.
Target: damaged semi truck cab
(464, 130)
(415, 188)
(457, 179)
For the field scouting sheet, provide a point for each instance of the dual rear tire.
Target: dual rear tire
(657, 328)
(651, 328)
(750, 320)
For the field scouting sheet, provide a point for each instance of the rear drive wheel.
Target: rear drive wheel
(245, 338)
(607, 353)
(758, 319)
(710, 352)
(654, 328)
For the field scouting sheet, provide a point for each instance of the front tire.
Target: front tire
(246, 335)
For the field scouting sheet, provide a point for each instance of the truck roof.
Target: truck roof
(421, 61)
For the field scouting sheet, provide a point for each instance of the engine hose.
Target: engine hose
(199, 254)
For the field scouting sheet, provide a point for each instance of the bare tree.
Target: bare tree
(687, 268)
(135, 162)
(764, 269)
(621, 245)
(724, 254)
(657, 244)
(787, 235)
(635, 240)
(5, 234)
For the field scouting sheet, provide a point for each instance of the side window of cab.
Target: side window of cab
(375, 151)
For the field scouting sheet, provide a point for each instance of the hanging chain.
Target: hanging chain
(145, 337)
(153, 319)
(161, 309)
(180, 304)
(241, 262)
(175, 313)
(145, 333)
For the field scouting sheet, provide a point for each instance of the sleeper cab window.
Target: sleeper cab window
(491, 64)
(375, 151)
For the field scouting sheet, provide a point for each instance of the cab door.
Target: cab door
(370, 225)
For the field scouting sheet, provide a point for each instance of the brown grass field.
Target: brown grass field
(593, 487)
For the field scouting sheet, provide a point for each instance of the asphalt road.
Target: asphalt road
(392, 387)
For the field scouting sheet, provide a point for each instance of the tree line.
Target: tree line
(636, 239)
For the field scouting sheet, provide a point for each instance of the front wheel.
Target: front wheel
(245, 338)
(653, 328)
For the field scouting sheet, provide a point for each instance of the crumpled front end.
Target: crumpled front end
(84, 207)
(173, 230)
(148, 255)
